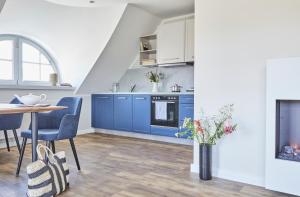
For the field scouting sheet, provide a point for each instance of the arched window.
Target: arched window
(23, 61)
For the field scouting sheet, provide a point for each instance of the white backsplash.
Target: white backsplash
(183, 76)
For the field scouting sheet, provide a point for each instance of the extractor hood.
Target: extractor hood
(177, 64)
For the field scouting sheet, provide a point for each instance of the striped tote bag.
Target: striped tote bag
(47, 179)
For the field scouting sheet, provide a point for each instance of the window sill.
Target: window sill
(35, 87)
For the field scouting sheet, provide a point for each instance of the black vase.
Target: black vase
(205, 162)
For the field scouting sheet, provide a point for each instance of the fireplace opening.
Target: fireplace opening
(288, 130)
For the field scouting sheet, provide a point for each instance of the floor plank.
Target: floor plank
(127, 167)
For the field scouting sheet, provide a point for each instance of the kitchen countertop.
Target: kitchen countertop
(150, 93)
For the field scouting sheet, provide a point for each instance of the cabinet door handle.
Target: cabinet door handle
(103, 97)
(140, 98)
(188, 107)
(122, 98)
(171, 58)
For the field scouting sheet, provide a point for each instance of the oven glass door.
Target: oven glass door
(164, 113)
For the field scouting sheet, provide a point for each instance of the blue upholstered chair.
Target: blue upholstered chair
(11, 122)
(56, 125)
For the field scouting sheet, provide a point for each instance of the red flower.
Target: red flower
(198, 126)
(228, 128)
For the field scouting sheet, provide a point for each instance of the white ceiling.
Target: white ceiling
(161, 8)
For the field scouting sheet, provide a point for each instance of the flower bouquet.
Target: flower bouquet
(207, 130)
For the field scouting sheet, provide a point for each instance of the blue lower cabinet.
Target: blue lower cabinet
(102, 111)
(186, 99)
(126, 112)
(123, 112)
(180, 125)
(183, 129)
(185, 111)
(164, 131)
(141, 113)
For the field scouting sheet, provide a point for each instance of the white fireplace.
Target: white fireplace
(283, 126)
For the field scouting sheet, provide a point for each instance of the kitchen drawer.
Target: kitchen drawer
(186, 99)
(103, 97)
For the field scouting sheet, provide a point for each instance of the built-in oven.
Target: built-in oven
(164, 111)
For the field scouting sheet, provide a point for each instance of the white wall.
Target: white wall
(234, 38)
(183, 76)
(74, 36)
(120, 51)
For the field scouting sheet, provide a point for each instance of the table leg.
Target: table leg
(34, 131)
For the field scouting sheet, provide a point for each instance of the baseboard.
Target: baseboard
(85, 131)
(233, 176)
(172, 140)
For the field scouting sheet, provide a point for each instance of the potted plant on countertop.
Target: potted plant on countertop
(154, 79)
(207, 130)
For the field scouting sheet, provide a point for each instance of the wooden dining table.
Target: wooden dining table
(34, 110)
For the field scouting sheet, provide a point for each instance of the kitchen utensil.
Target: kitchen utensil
(116, 87)
(190, 89)
(176, 88)
(133, 88)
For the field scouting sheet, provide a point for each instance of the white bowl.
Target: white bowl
(31, 99)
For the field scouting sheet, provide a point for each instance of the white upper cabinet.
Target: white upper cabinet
(190, 39)
(175, 40)
(171, 41)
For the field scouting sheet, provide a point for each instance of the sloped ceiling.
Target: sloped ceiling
(161, 8)
(2, 2)
(120, 51)
(93, 47)
(74, 36)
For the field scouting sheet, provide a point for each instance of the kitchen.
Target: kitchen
(158, 114)
(149, 98)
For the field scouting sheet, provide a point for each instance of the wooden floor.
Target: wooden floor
(126, 167)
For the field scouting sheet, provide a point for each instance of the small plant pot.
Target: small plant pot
(154, 87)
(205, 162)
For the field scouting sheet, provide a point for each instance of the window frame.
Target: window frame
(14, 59)
(17, 61)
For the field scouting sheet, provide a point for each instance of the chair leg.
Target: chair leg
(17, 140)
(75, 153)
(21, 156)
(53, 146)
(6, 139)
